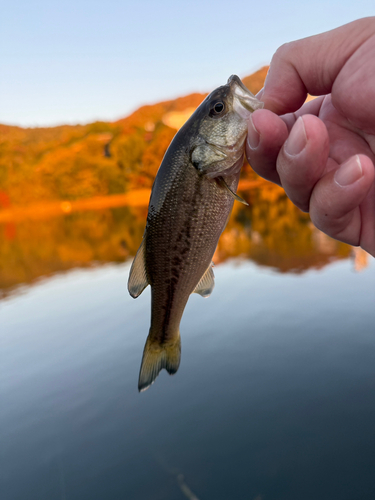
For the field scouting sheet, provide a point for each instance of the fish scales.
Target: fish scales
(190, 203)
(185, 233)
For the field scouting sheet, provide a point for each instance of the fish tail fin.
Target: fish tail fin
(156, 356)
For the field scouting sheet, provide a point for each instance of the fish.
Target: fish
(190, 204)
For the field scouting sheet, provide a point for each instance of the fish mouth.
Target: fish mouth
(243, 98)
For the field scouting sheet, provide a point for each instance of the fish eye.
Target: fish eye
(217, 108)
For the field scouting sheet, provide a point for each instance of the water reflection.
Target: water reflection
(276, 389)
(270, 232)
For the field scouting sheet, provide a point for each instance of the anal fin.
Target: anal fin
(137, 277)
(206, 283)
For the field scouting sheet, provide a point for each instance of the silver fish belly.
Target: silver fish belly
(190, 203)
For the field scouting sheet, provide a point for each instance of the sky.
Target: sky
(76, 61)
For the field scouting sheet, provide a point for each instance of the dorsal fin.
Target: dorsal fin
(206, 283)
(137, 277)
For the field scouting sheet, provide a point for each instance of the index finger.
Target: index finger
(311, 65)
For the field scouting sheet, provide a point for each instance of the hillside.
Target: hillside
(75, 168)
(97, 159)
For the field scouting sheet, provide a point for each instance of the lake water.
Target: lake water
(274, 397)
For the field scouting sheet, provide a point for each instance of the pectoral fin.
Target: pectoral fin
(206, 284)
(222, 183)
(137, 277)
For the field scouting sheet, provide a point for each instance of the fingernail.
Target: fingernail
(297, 139)
(252, 135)
(349, 172)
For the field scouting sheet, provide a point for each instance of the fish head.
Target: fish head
(221, 123)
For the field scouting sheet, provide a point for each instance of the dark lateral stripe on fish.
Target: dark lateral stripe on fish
(176, 261)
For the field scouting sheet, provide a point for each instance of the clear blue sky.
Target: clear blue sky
(75, 61)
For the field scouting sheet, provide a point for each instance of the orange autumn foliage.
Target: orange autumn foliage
(85, 162)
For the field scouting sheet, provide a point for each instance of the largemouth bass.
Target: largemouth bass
(190, 203)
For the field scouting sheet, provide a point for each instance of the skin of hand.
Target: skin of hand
(322, 152)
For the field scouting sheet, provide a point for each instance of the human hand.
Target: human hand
(322, 152)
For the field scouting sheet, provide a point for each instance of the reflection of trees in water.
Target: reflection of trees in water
(84, 239)
(271, 232)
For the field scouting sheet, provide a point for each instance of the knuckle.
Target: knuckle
(300, 198)
(284, 51)
(318, 220)
(303, 206)
(324, 216)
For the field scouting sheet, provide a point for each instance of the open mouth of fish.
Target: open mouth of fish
(244, 102)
